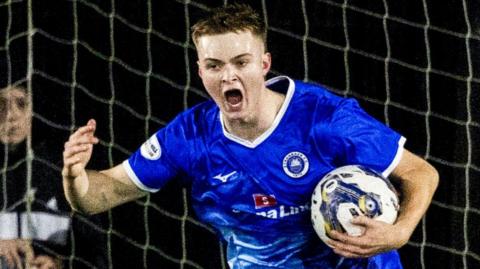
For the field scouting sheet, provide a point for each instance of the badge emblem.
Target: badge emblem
(295, 164)
(151, 149)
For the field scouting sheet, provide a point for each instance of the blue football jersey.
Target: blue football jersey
(257, 194)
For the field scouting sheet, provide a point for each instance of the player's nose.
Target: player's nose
(229, 74)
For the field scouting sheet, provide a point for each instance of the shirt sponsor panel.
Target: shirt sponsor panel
(283, 211)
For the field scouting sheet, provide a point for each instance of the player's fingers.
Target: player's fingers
(81, 140)
(353, 250)
(69, 165)
(84, 130)
(71, 161)
(363, 221)
(87, 129)
(344, 239)
(348, 254)
(344, 253)
(73, 150)
(338, 236)
(338, 240)
(92, 122)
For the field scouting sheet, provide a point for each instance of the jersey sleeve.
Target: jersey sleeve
(358, 138)
(160, 158)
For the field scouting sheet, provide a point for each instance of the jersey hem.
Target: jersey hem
(133, 177)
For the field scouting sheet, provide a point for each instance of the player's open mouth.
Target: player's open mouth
(233, 97)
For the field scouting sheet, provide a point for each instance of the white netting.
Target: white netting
(131, 65)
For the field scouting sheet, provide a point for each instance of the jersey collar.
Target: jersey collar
(276, 121)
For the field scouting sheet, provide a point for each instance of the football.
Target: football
(350, 191)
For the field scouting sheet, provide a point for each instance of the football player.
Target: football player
(253, 155)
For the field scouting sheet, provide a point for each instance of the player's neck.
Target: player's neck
(254, 126)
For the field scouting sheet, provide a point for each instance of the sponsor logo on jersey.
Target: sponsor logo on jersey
(151, 149)
(224, 178)
(283, 211)
(295, 164)
(264, 200)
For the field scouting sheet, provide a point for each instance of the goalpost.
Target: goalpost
(131, 65)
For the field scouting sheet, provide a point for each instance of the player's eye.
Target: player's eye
(213, 66)
(242, 63)
(210, 66)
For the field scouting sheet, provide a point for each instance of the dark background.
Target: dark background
(414, 65)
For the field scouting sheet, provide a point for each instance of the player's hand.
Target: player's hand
(16, 252)
(378, 237)
(78, 150)
(45, 262)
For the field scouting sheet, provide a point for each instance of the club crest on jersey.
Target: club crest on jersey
(151, 149)
(295, 164)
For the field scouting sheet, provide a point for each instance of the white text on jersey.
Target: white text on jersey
(284, 211)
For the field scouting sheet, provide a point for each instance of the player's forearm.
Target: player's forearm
(98, 191)
(94, 192)
(417, 186)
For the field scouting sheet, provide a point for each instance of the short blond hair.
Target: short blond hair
(231, 18)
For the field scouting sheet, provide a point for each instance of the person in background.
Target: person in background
(34, 223)
(35, 219)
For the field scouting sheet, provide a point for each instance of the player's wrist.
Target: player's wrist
(66, 175)
(404, 231)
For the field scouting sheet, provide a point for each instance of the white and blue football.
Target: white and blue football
(350, 191)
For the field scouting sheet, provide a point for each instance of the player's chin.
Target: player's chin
(234, 112)
(233, 116)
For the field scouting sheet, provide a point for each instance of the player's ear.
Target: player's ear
(266, 63)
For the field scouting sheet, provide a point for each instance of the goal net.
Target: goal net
(131, 65)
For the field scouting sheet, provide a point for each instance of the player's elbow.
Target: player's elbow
(434, 176)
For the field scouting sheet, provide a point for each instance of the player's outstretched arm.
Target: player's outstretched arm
(91, 191)
(418, 180)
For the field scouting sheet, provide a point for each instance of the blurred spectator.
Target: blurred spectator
(35, 221)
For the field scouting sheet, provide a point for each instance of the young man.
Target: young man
(254, 154)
